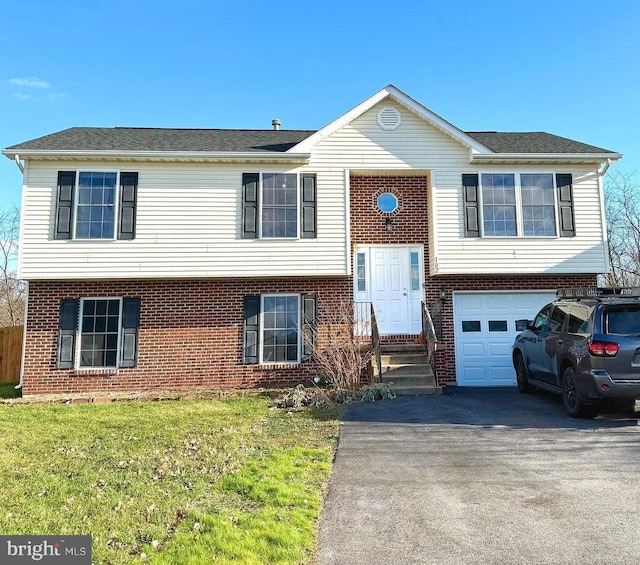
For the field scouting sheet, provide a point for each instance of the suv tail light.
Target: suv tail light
(603, 348)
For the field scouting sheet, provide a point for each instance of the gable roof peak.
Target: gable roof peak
(404, 100)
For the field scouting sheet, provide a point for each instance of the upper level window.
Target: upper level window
(279, 205)
(538, 204)
(95, 203)
(512, 205)
(499, 204)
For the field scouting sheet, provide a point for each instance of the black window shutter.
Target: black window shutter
(130, 326)
(67, 324)
(250, 196)
(564, 182)
(309, 197)
(64, 204)
(471, 203)
(309, 316)
(251, 329)
(128, 196)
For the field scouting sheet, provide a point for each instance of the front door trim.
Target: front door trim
(397, 304)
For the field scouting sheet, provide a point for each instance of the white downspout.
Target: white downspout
(20, 165)
(26, 298)
(24, 337)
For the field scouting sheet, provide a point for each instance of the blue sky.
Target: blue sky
(567, 67)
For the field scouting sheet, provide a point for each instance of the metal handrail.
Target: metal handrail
(429, 339)
(375, 341)
(366, 324)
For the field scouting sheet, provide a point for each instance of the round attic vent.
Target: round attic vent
(389, 118)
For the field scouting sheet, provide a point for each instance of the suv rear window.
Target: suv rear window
(623, 319)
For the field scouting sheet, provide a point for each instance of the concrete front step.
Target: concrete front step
(416, 369)
(403, 358)
(417, 389)
(401, 348)
(407, 366)
(409, 379)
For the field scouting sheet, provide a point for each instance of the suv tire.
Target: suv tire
(571, 397)
(522, 376)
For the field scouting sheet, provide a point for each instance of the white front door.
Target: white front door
(393, 280)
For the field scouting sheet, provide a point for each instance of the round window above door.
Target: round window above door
(387, 202)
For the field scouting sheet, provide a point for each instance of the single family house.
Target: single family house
(199, 258)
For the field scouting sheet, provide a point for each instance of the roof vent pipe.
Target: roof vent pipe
(276, 124)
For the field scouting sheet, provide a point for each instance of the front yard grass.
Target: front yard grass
(186, 482)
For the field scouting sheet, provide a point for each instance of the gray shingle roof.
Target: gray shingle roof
(262, 141)
(165, 139)
(532, 142)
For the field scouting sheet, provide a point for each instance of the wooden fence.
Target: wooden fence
(10, 354)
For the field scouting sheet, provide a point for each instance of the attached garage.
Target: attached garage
(485, 327)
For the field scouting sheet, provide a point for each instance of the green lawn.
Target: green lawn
(225, 481)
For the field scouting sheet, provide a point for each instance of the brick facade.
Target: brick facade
(410, 227)
(190, 337)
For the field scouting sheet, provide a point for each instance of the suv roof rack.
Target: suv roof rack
(599, 292)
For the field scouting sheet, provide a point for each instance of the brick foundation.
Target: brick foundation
(191, 335)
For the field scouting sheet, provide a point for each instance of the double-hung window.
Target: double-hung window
(278, 205)
(98, 333)
(279, 328)
(96, 205)
(518, 205)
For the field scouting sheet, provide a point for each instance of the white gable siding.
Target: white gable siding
(188, 225)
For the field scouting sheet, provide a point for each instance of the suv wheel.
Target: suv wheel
(522, 376)
(571, 397)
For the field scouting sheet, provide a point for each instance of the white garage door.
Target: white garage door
(485, 327)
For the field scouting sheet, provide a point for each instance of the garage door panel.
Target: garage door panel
(483, 352)
(473, 349)
(501, 375)
(475, 375)
(500, 349)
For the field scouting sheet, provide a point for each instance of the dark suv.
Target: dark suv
(586, 346)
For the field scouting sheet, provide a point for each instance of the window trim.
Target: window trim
(261, 339)
(518, 205)
(78, 349)
(116, 205)
(261, 204)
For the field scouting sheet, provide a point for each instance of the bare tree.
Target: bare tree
(12, 290)
(622, 204)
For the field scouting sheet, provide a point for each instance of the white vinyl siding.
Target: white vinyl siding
(188, 225)
(189, 215)
(584, 253)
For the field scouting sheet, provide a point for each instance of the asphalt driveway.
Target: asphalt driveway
(484, 476)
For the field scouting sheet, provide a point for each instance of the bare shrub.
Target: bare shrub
(342, 356)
